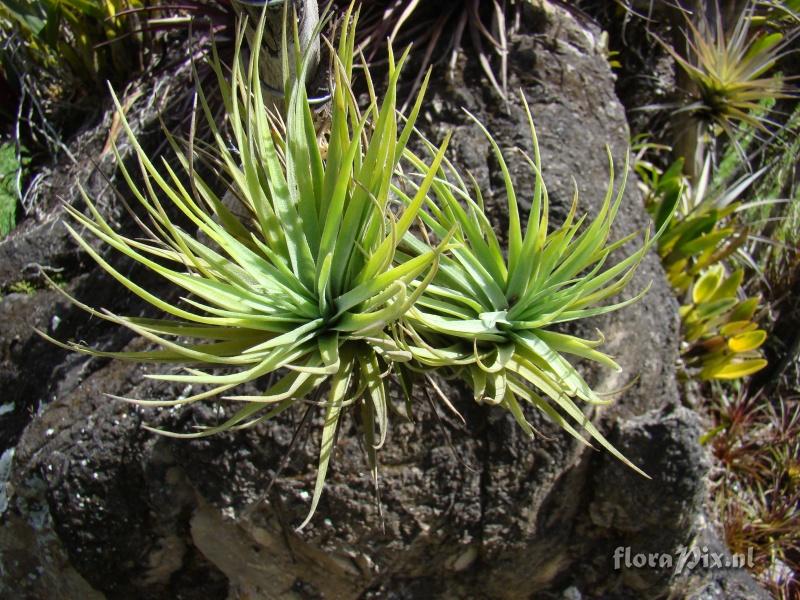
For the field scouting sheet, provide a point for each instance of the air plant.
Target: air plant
(316, 281)
(727, 73)
(438, 29)
(727, 70)
(490, 318)
(304, 288)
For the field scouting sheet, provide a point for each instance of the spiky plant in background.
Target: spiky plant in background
(727, 74)
(305, 287)
(728, 69)
(437, 29)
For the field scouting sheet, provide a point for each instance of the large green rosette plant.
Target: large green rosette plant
(300, 281)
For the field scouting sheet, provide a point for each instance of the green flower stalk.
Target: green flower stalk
(306, 286)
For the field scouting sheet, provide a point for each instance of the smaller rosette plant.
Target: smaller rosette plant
(488, 316)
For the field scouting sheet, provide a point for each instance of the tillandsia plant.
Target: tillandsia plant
(728, 69)
(305, 287)
(490, 319)
(438, 28)
(727, 74)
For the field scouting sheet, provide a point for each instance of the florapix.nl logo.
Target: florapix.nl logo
(685, 558)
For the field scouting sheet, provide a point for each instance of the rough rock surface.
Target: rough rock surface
(96, 507)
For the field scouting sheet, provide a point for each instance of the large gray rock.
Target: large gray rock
(99, 508)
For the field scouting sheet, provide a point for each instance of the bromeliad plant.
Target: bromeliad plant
(727, 76)
(722, 339)
(305, 288)
(439, 28)
(488, 318)
(316, 280)
(728, 69)
(700, 235)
